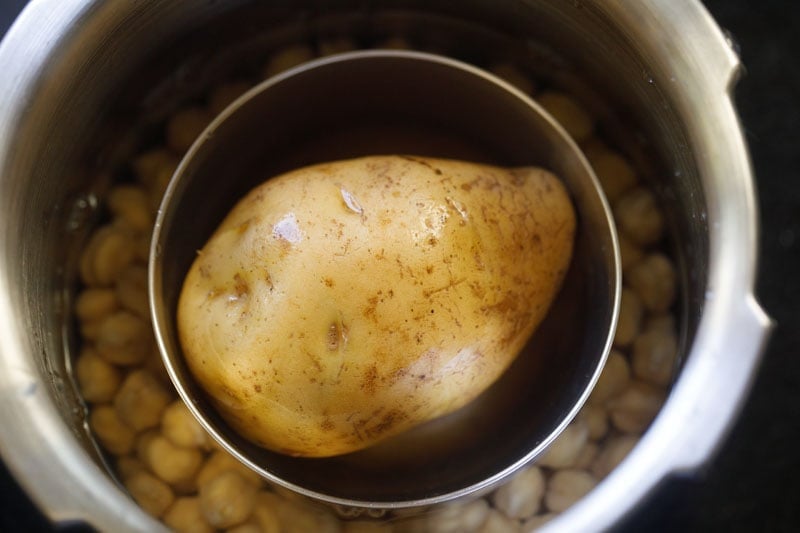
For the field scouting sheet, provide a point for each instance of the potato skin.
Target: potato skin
(346, 302)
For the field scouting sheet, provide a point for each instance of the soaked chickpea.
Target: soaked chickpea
(98, 379)
(631, 311)
(286, 58)
(612, 454)
(174, 464)
(457, 517)
(639, 217)
(596, 419)
(185, 127)
(534, 523)
(111, 431)
(228, 499)
(336, 45)
(521, 497)
(569, 113)
(634, 409)
(655, 351)
(151, 493)
(186, 516)
(131, 207)
(221, 461)
(654, 280)
(613, 380)
(616, 175)
(566, 448)
(141, 400)
(497, 522)
(108, 252)
(131, 291)
(566, 487)
(150, 164)
(181, 428)
(93, 305)
(124, 339)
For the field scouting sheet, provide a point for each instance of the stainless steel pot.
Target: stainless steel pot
(82, 78)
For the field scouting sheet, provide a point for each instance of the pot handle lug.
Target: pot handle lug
(726, 376)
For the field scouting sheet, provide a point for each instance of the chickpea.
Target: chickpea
(639, 217)
(251, 526)
(297, 516)
(110, 430)
(612, 453)
(221, 461)
(171, 463)
(109, 251)
(180, 426)
(596, 419)
(286, 58)
(654, 280)
(228, 499)
(95, 304)
(143, 440)
(128, 466)
(152, 494)
(630, 253)
(522, 495)
(129, 203)
(90, 330)
(185, 516)
(141, 400)
(141, 248)
(97, 378)
(155, 365)
(497, 522)
(131, 291)
(633, 410)
(459, 517)
(336, 45)
(587, 456)
(185, 126)
(394, 43)
(124, 339)
(566, 448)
(629, 322)
(534, 523)
(655, 351)
(362, 526)
(159, 186)
(513, 76)
(567, 112)
(614, 379)
(614, 172)
(566, 487)
(265, 514)
(226, 94)
(150, 164)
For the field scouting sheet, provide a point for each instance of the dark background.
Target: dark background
(754, 482)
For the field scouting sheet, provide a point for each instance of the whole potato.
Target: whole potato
(346, 302)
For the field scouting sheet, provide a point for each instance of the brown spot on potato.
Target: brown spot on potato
(388, 421)
(329, 282)
(241, 287)
(369, 383)
(327, 425)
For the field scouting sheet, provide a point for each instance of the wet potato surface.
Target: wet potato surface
(174, 471)
(347, 302)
